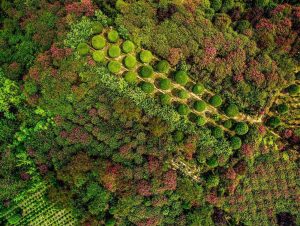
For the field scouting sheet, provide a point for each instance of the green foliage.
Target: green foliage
(146, 56)
(146, 71)
(198, 88)
(217, 132)
(235, 142)
(130, 77)
(130, 61)
(114, 51)
(83, 49)
(128, 46)
(200, 105)
(164, 83)
(98, 42)
(261, 3)
(14, 219)
(178, 136)
(216, 101)
(273, 121)
(182, 94)
(228, 124)
(227, 5)
(242, 25)
(114, 67)
(163, 66)
(165, 99)
(30, 87)
(282, 108)
(200, 120)
(216, 4)
(181, 77)
(212, 161)
(147, 87)
(98, 55)
(232, 110)
(212, 181)
(293, 89)
(97, 27)
(113, 36)
(241, 128)
(183, 109)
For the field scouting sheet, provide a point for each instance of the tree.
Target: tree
(282, 108)
(114, 67)
(212, 181)
(216, 100)
(114, 51)
(128, 46)
(200, 105)
(273, 121)
(113, 36)
(165, 99)
(232, 110)
(235, 142)
(198, 88)
(146, 71)
(146, 56)
(241, 128)
(163, 66)
(164, 83)
(98, 42)
(83, 49)
(147, 87)
(183, 109)
(130, 77)
(217, 132)
(130, 62)
(181, 77)
(293, 89)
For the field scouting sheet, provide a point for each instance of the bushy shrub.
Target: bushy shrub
(200, 120)
(212, 181)
(242, 25)
(98, 56)
(127, 46)
(227, 5)
(232, 110)
(165, 99)
(130, 77)
(98, 42)
(216, 4)
(216, 100)
(114, 67)
(97, 27)
(261, 3)
(182, 94)
(113, 36)
(273, 121)
(114, 51)
(181, 77)
(146, 56)
(147, 87)
(235, 142)
(228, 124)
(30, 87)
(164, 83)
(212, 161)
(282, 108)
(241, 128)
(293, 89)
(146, 71)
(83, 49)
(163, 66)
(130, 62)
(178, 136)
(217, 132)
(200, 105)
(183, 109)
(198, 88)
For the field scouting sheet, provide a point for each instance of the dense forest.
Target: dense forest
(150, 112)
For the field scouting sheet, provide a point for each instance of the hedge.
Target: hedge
(146, 56)
(165, 99)
(114, 51)
(98, 56)
(98, 42)
(130, 62)
(146, 71)
(181, 77)
(232, 110)
(235, 142)
(83, 49)
(163, 66)
(241, 128)
(147, 87)
(200, 105)
(113, 36)
(130, 77)
(198, 88)
(164, 83)
(216, 101)
(183, 109)
(114, 67)
(128, 46)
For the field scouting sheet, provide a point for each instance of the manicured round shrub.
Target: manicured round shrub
(146, 56)
(130, 77)
(114, 67)
(273, 121)
(164, 84)
(181, 77)
(241, 128)
(212, 181)
(97, 27)
(217, 132)
(200, 105)
(235, 142)
(98, 56)
(113, 36)
(228, 124)
(200, 121)
(147, 87)
(130, 62)
(98, 42)
(163, 66)
(114, 51)
(165, 99)
(182, 94)
(127, 46)
(216, 4)
(83, 49)
(198, 88)
(146, 71)
(212, 161)
(178, 136)
(216, 101)
(183, 109)
(232, 110)
(282, 108)
(293, 89)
